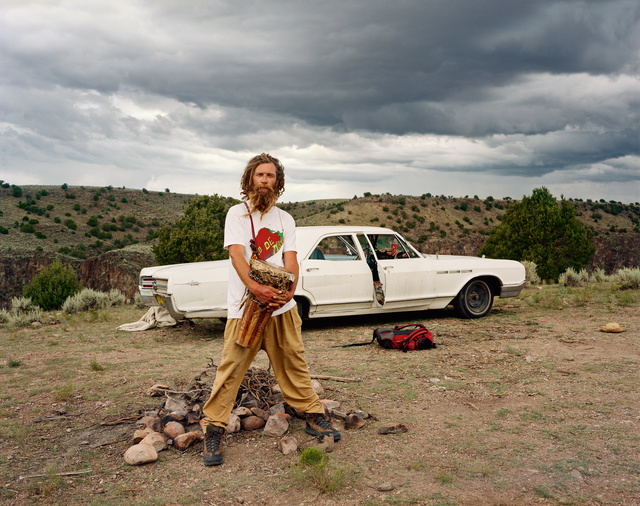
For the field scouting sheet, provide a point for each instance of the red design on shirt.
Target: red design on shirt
(268, 243)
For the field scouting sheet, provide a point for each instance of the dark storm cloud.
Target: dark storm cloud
(543, 85)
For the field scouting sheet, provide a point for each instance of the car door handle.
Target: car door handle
(388, 267)
(309, 269)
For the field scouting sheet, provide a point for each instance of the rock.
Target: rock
(576, 474)
(252, 423)
(250, 403)
(317, 387)
(36, 324)
(233, 424)
(150, 422)
(613, 327)
(277, 408)
(142, 422)
(194, 415)
(385, 487)
(276, 398)
(324, 443)
(288, 445)
(176, 416)
(354, 422)
(393, 429)
(173, 430)
(276, 389)
(329, 404)
(157, 390)
(140, 454)
(362, 414)
(139, 435)
(242, 411)
(172, 404)
(155, 440)
(261, 413)
(184, 441)
(276, 426)
(286, 416)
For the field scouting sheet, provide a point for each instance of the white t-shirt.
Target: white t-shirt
(275, 234)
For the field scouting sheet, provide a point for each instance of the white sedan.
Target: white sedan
(340, 270)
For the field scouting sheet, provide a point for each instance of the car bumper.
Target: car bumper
(511, 290)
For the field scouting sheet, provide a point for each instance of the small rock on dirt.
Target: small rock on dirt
(576, 474)
(354, 422)
(277, 408)
(385, 487)
(184, 441)
(261, 413)
(173, 429)
(276, 426)
(613, 327)
(157, 390)
(233, 424)
(317, 387)
(362, 414)
(324, 443)
(139, 435)
(242, 411)
(288, 445)
(330, 404)
(155, 440)
(140, 454)
(172, 404)
(252, 423)
(393, 429)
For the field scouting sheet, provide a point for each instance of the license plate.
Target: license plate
(159, 299)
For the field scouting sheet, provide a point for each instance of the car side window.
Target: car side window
(390, 246)
(335, 248)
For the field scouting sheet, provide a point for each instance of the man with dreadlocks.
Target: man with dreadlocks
(275, 242)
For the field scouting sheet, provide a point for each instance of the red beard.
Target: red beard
(262, 199)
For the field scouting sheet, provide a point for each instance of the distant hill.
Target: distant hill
(91, 227)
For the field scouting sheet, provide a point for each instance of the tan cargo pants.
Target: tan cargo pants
(282, 340)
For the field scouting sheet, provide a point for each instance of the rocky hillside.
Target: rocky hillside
(106, 233)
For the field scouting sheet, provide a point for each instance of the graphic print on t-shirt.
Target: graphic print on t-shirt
(268, 243)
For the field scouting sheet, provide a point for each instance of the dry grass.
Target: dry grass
(530, 404)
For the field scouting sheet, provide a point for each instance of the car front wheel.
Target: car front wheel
(474, 300)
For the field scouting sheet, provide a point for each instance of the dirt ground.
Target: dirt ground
(530, 405)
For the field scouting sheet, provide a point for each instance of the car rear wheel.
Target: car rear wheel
(474, 300)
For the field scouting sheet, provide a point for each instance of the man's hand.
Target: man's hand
(268, 296)
(271, 297)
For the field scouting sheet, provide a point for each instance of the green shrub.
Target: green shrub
(628, 279)
(23, 312)
(51, 287)
(541, 230)
(531, 272)
(5, 316)
(575, 278)
(88, 299)
(137, 301)
(598, 276)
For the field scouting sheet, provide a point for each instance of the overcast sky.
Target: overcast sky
(453, 97)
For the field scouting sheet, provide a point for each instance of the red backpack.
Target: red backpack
(412, 336)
